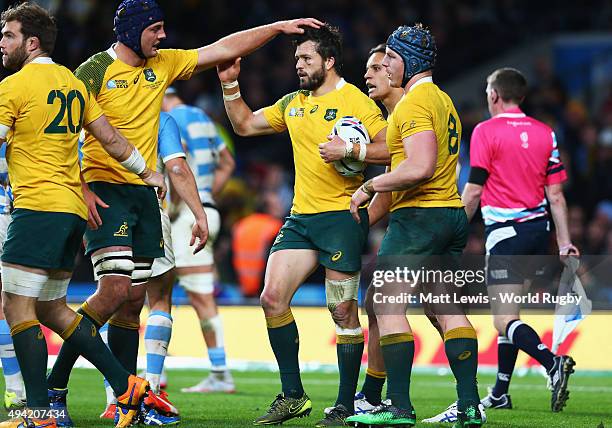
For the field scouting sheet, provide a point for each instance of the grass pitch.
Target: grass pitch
(590, 403)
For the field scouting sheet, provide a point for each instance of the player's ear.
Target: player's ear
(329, 63)
(32, 43)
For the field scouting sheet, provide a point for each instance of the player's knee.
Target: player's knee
(501, 323)
(341, 291)
(345, 314)
(270, 299)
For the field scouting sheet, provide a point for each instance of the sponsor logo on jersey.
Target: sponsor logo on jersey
(314, 109)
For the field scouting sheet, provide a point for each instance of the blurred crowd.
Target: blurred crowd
(468, 33)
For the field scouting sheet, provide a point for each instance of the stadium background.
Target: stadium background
(564, 48)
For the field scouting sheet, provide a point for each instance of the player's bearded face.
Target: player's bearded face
(309, 66)
(312, 80)
(13, 45)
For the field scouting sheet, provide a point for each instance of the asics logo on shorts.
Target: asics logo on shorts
(464, 355)
(122, 231)
(278, 237)
(337, 256)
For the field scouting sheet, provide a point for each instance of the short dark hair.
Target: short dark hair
(35, 22)
(380, 48)
(328, 40)
(509, 83)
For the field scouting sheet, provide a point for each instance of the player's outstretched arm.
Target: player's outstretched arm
(244, 42)
(245, 122)
(558, 209)
(183, 182)
(120, 149)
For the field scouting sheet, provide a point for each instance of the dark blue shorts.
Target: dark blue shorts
(509, 246)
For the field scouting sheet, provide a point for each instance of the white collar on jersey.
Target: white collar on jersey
(42, 60)
(426, 79)
(111, 51)
(511, 115)
(340, 83)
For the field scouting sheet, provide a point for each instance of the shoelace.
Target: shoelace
(278, 402)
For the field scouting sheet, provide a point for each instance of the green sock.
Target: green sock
(123, 341)
(461, 348)
(31, 351)
(68, 354)
(398, 353)
(285, 342)
(83, 335)
(373, 385)
(349, 349)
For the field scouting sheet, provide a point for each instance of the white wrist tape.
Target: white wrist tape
(135, 162)
(231, 97)
(362, 151)
(229, 85)
(348, 150)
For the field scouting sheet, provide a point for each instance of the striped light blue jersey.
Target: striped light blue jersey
(6, 196)
(202, 143)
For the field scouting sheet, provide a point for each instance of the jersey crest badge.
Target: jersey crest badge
(330, 114)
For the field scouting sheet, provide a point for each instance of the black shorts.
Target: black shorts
(510, 249)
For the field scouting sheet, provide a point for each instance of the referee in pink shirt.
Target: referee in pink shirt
(515, 169)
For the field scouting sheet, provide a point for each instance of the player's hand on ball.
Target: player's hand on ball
(229, 71)
(294, 26)
(333, 150)
(199, 234)
(359, 198)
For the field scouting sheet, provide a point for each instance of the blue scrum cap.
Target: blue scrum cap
(131, 18)
(416, 46)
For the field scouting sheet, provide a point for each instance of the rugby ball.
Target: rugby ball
(350, 129)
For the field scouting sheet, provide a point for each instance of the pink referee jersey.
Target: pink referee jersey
(521, 156)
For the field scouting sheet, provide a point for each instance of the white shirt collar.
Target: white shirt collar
(111, 51)
(511, 115)
(340, 83)
(42, 60)
(426, 79)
